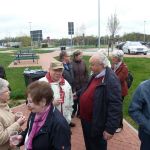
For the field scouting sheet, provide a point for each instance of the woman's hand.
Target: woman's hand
(21, 120)
(17, 138)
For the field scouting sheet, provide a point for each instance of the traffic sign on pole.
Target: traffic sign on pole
(70, 28)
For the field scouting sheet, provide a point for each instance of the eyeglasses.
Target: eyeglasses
(29, 101)
(6, 91)
(95, 64)
(58, 70)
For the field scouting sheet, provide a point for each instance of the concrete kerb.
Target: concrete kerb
(130, 126)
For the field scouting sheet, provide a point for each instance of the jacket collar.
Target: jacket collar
(4, 106)
(102, 73)
(44, 128)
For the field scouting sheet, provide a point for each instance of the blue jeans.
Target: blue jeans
(145, 140)
(92, 143)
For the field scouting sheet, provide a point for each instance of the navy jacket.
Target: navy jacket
(139, 108)
(107, 106)
(54, 135)
(68, 73)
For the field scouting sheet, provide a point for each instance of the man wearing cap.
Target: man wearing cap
(81, 77)
(63, 98)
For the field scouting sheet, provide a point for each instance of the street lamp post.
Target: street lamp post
(144, 30)
(30, 33)
(99, 24)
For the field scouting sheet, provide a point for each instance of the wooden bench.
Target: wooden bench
(26, 55)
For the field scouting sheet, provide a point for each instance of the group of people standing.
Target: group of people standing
(69, 90)
(76, 73)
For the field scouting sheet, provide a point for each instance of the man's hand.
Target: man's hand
(57, 102)
(107, 136)
(75, 96)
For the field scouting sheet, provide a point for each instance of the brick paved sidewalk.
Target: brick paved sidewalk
(126, 140)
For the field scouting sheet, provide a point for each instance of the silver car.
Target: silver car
(133, 47)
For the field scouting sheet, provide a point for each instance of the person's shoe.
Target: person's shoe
(72, 124)
(118, 130)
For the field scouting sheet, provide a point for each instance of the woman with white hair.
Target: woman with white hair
(8, 121)
(121, 70)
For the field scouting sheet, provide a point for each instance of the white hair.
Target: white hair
(103, 51)
(3, 84)
(102, 59)
(118, 54)
(106, 60)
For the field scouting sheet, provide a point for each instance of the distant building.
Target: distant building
(13, 44)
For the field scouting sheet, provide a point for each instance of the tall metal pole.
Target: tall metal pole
(71, 42)
(144, 30)
(99, 24)
(30, 34)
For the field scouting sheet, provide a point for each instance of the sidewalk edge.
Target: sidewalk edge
(129, 125)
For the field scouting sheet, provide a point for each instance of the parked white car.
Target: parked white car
(2, 46)
(133, 47)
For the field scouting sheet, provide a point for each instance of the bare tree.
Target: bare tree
(82, 32)
(113, 27)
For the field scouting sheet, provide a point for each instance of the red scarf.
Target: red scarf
(61, 91)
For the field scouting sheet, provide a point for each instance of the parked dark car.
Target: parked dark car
(120, 45)
(143, 43)
(148, 44)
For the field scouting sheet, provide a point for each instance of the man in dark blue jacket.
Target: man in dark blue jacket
(139, 110)
(100, 104)
(67, 72)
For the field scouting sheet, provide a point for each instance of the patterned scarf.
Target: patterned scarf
(39, 121)
(61, 91)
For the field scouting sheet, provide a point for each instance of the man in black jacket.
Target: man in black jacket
(100, 104)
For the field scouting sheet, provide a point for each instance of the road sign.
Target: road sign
(70, 28)
(36, 35)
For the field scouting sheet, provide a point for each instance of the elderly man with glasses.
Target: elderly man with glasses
(100, 104)
(63, 98)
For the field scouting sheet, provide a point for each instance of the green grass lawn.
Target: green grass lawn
(140, 68)
(14, 76)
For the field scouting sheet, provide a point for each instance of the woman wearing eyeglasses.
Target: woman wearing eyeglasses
(8, 122)
(47, 129)
(121, 70)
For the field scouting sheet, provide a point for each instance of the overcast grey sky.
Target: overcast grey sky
(52, 16)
